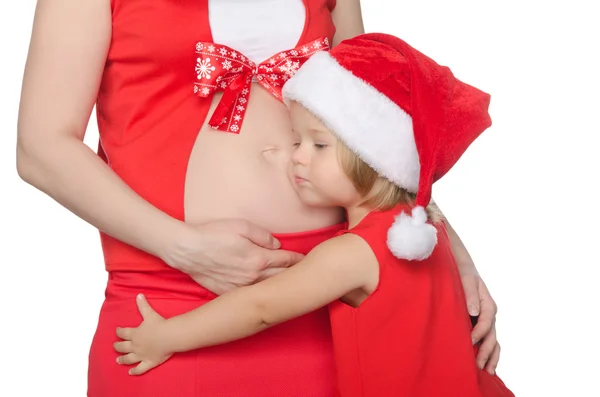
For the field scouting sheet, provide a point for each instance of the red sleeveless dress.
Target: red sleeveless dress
(148, 119)
(411, 336)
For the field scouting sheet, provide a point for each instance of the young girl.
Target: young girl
(377, 123)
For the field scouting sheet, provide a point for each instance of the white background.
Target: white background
(524, 198)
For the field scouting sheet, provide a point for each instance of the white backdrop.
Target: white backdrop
(523, 198)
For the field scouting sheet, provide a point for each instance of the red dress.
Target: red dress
(411, 336)
(148, 119)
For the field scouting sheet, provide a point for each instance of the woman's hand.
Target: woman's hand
(225, 254)
(145, 344)
(480, 303)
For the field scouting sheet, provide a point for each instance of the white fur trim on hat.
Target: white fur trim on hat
(411, 237)
(367, 121)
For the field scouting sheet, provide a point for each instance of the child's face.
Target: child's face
(315, 171)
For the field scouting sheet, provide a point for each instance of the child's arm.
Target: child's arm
(330, 271)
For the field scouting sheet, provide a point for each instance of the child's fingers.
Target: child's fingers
(144, 307)
(124, 333)
(123, 347)
(141, 368)
(128, 359)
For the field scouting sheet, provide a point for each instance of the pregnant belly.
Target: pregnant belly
(245, 175)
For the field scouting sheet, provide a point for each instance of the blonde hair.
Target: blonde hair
(378, 192)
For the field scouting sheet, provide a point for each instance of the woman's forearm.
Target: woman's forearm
(65, 64)
(461, 254)
(71, 173)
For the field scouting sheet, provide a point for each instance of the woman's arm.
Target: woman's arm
(347, 18)
(69, 44)
(68, 48)
(479, 303)
(328, 272)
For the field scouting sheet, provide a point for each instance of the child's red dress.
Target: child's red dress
(411, 336)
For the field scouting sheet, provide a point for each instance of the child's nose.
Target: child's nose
(299, 156)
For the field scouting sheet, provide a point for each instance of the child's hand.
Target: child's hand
(144, 344)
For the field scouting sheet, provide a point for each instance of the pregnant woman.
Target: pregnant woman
(189, 187)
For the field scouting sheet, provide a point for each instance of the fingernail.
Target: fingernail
(276, 243)
(473, 311)
(140, 296)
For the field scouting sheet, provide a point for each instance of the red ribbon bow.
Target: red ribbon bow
(221, 68)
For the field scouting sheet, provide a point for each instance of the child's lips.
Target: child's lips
(299, 180)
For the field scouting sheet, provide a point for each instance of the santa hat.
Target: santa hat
(400, 112)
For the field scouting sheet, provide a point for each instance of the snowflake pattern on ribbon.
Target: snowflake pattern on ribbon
(221, 68)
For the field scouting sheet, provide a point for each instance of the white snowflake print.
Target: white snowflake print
(226, 64)
(290, 68)
(243, 58)
(240, 108)
(237, 117)
(235, 128)
(199, 46)
(317, 45)
(223, 51)
(326, 41)
(242, 100)
(268, 70)
(304, 50)
(285, 77)
(195, 89)
(294, 52)
(223, 120)
(245, 91)
(282, 55)
(273, 76)
(234, 54)
(218, 79)
(211, 48)
(205, 91)
(204, 68)
(224, 84)
(272, 61)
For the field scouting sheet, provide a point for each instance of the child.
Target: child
(377, 122)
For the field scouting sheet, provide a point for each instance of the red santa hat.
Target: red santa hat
(400, 112)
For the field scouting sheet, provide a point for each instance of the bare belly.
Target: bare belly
(245, 175)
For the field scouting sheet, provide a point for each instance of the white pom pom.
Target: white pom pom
(411, 237)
